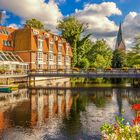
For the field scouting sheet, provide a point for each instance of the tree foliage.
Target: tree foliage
(133, 56)
(119, 59)
(34, 23)
(84, 63)
(72, 31)
(100, 55)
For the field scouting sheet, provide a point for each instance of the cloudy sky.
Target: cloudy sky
(102, 16)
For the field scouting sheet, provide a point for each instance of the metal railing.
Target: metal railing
(114, 73)
(12, 73)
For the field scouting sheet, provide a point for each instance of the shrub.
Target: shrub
(122, 131)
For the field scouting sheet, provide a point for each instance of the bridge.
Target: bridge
(114, 73)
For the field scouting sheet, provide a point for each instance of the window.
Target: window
(39, 56)
(35, 32)
(7, 43)
(40, 44)
(4, 31)
(51, 56)
(67, 50)
(67, 59)
(59, 58)
(51, 47)
(46, 35)
(59, 48)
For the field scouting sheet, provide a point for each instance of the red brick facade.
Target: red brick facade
(40, 49)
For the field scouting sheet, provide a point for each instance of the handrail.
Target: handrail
(84, 73)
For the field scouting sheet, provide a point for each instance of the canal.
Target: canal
(65, 114)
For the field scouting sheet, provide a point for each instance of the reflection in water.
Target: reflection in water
(63, 114)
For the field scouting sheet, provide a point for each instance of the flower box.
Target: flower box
(76, 69)
(108, 69)
(125, 69)
(91, 69)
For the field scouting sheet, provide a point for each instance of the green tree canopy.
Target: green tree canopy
(72, 30)
(84, 63)
(34, 23)
(133, 56)
(119, 59)
(100, 55)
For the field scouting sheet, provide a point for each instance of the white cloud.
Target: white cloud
(48, 13)
(13, 25)
(131, 27)
(97, 18)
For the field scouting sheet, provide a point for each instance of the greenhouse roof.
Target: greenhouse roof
(10, 57)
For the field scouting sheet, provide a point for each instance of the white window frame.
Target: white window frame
(40, 45)
(51, 44)
(59, 58)
(59, 48)
(50, 56)
(39, 56)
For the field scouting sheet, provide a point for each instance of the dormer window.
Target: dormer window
(46, 35)
(40, 44)
(55, 38)
(35, 32)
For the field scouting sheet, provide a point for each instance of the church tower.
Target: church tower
(120, 45)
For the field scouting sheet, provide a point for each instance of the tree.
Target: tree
(72, 31)
(119, 59)
(84, 63)
(83, 47)
(99, 62)
(34, 23)
(100, 55)
(133, 56)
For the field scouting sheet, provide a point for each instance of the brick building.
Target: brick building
(40, 49)
(9, 60)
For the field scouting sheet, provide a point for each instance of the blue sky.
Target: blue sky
(102, 16)
(68, 7)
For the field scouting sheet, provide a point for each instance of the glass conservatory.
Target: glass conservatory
(11, 63)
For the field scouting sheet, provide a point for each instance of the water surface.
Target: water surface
(65, 114)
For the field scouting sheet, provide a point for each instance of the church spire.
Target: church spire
(120, 42)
